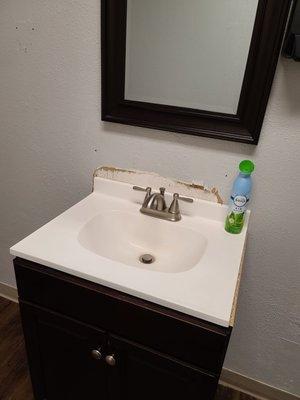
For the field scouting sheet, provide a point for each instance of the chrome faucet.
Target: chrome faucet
(155, 205)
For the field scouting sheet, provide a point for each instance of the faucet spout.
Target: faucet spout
(156, 202)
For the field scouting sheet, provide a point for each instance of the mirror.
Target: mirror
(201, 67)
(188, 53)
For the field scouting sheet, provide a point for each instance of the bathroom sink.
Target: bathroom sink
(191, 266)
(126, 237)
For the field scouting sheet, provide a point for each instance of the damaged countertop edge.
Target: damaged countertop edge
(144, 178)
(237, 288)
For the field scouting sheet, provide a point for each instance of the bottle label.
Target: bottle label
(236, 213)
(239, 204)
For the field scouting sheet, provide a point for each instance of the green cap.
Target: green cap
(246, 167)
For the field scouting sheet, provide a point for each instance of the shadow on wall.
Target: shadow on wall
(291, 91)
(179, 138)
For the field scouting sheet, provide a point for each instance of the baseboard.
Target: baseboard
(255, 388)
(9, 292)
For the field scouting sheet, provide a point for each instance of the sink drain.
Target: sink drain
(146, 259)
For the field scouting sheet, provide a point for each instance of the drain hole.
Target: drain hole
(146, 259)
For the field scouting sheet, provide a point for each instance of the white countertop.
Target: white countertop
(206, 290)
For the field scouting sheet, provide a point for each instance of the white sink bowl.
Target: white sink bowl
(124, 237)
(101, 238)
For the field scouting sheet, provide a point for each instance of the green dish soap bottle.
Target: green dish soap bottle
(239, 198)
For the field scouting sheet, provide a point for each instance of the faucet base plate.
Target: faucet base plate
(166, 215)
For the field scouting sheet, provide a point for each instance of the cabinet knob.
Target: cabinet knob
(110, 360)
(96, 354)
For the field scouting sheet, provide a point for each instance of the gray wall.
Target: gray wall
(51, 140)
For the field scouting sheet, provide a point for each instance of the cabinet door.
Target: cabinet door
(60, 356)
(140, 373)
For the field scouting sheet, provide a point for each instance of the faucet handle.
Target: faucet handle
(186, 199)
(174, 207)
(141, 189)
(148, 193)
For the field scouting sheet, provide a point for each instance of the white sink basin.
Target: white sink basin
(101, 238)
(125, 237)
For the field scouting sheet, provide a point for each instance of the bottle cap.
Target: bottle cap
(246, 167)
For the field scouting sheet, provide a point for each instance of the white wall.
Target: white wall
(51, 139)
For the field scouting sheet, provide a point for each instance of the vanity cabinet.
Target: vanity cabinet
(60, 356)
(86, 341)
(149, 375)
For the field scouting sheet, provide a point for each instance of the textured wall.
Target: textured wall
(51, 140)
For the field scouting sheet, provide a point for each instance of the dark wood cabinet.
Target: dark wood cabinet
(103, 344)
(149, 375)
(61, 361)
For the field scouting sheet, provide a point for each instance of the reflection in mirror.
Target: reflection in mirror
(188, 53)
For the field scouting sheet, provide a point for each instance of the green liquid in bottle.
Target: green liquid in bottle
(234, 222)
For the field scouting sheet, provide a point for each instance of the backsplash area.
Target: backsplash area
(144, 178)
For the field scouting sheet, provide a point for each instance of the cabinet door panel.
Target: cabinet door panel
(143, 373)
(59, 351)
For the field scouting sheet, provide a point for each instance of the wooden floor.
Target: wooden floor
(14, 376)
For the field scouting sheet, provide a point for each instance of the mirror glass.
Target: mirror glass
(188, 53)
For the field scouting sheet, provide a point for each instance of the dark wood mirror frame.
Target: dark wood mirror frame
(244, 127)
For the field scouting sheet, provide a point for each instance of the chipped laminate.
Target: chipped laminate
(236, 292)
(144, 178)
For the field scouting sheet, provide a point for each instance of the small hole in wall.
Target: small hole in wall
(17, 27)
(32, 29)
